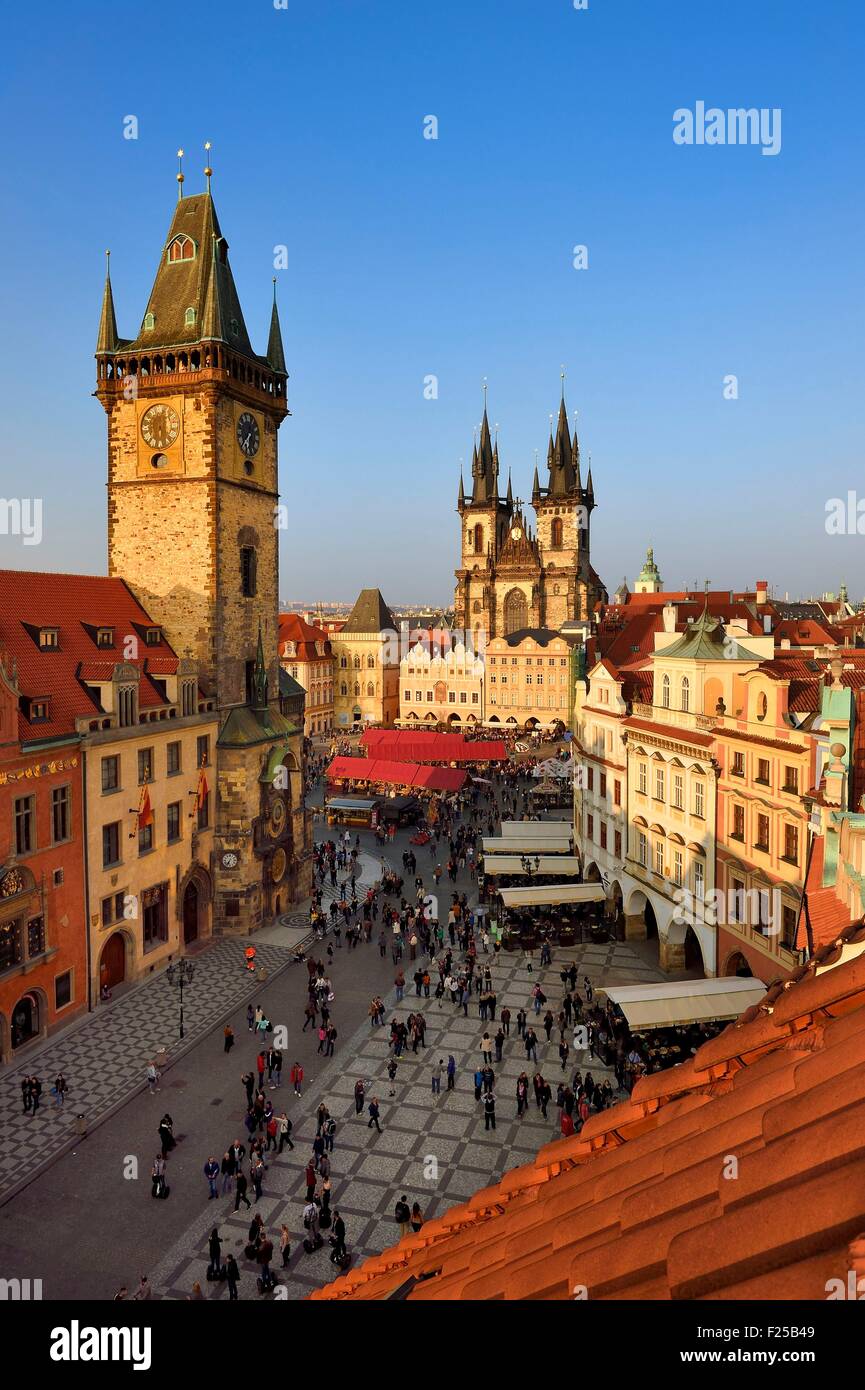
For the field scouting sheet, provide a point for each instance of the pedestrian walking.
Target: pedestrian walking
(285, 1245)
(228, 1034)
(374, 1113)
(152, 1078)
(489, 1111)
(232, 1275)
(211, 1172)
(297, 1078)
(58, 1090)
(402, 1216)
(240, 1190)
(437, 1076)
(451, 1071)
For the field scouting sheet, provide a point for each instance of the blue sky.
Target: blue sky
(409, 257)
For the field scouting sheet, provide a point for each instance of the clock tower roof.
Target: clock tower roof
(193, 275)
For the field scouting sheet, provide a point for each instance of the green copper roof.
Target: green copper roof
(706, 640)
(245, 727)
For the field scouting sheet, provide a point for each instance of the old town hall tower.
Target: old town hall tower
(193, 415)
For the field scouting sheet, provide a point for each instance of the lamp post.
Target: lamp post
(530, 866)
(178, 975)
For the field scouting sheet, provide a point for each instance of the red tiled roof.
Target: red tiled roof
(294, 628)
(76, 604)
(827, 913)
(639, 1205)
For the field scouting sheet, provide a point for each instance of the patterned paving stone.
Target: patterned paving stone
(369, 1171)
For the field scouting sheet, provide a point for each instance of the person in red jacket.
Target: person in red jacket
(297, 1078)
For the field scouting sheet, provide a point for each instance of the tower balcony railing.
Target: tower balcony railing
(125, 376)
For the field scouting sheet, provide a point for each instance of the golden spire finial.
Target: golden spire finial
(179, 175)
(207, 169)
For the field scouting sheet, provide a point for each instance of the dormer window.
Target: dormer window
(38, 711)
(153, 636)
(189, 317)
(49, 639)
(235, 328)
(127, 706)
(105, 637)
(181, 248)
(149, 321)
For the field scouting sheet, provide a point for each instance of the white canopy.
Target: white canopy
(536, 829)
(519, 844)
(553, 894)
(678, 1002)
(566, 864)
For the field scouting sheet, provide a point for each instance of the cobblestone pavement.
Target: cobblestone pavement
(421, 1134)
(104, 1056)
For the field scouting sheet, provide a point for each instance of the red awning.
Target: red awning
(425, 746)
(396, 774)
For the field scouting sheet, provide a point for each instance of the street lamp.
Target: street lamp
(178, 975)
(530, 866)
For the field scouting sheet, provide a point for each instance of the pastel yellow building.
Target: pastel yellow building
(528, 680)
(366, 665)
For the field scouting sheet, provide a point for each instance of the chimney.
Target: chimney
(668, 615)
(762, 588)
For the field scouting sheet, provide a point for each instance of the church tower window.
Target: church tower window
(556, 533)
(479, 539)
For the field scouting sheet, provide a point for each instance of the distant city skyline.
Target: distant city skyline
(408, 259)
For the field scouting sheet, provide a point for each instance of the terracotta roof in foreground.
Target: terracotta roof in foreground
(639, 1204)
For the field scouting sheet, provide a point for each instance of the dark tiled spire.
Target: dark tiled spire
(259, 679)
(275, 354)
(212, 318)
(107, 340)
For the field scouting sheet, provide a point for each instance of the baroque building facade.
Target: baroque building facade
(513, 576)
(193, 415)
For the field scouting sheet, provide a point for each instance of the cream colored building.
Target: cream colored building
(528, 680)
(305, 652)
(366, 665)
(149, 889)
(441, 682)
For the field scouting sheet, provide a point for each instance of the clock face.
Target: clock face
(160, 426)
(248, 436)
(276, 816)
(229, 860)
(517, 532)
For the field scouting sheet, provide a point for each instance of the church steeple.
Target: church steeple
(107, 340)
(485, 466)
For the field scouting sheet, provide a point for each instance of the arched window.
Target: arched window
(370, 662)
(370, 689)
(189, 316)
(686, 693)
(343, 689)
(556, 533)
(180, 248)
(516, 611)
(479, 539)
(357, 688)
(248, 571)
(665, 692)
(357, 663)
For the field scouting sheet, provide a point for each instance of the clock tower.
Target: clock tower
(193, 415)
